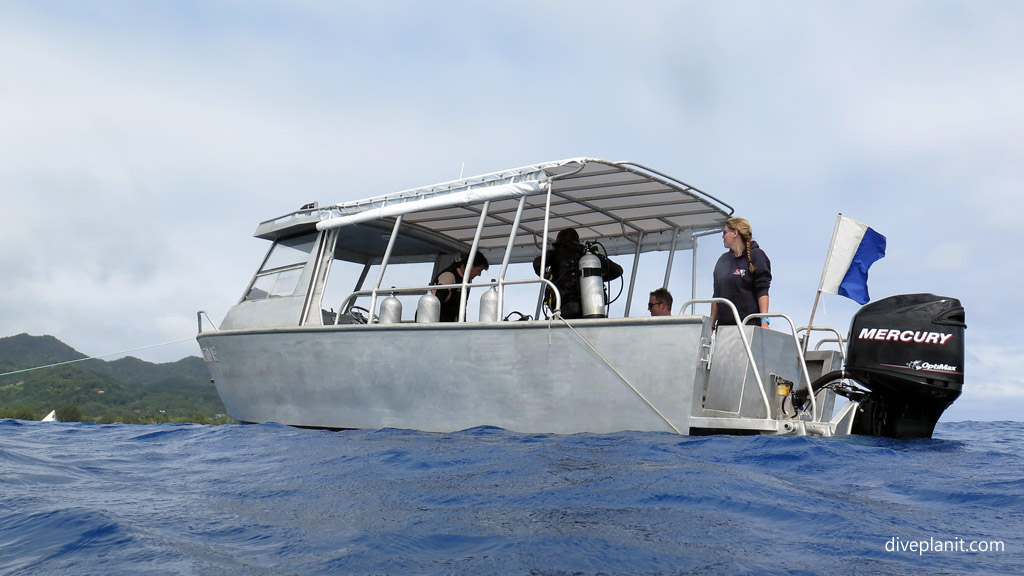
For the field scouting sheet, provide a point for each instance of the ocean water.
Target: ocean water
(95, 499)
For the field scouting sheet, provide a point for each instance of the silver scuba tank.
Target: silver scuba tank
(591, 286)
(390, 310)
(489, 305)
(428, 309)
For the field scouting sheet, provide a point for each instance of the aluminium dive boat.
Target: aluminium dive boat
(338, 327)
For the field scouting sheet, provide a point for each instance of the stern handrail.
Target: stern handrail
(746, 346)
(839, 338)
(799, 354)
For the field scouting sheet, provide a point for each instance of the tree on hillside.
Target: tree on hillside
(21, 412)
(69, 412)
(127, 390)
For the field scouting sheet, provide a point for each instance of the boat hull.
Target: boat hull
(599, 376)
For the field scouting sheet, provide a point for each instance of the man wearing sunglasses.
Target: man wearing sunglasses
(660, 303)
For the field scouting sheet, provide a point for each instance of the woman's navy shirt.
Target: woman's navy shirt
(735, 282)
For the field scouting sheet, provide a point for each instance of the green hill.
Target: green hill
(124, 390)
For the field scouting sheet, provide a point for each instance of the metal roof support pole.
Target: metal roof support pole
(362, 276)
(317, 283)
(508, 255)
(632, 276)
(693, 274)
(468, 269)
(671, 257)
(544, 249)
(384, 265)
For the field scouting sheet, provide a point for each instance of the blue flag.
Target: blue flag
(855, 247)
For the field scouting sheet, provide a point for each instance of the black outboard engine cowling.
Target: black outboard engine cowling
(908, 350)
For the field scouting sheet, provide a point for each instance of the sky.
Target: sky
(142, 142)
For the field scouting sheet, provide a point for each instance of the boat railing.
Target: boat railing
(199, 317)
(799, 355)
(749, 352)
(837, 340)
(374, 294)
(743, 339)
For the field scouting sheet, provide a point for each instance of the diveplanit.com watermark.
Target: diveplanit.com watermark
(932, 545)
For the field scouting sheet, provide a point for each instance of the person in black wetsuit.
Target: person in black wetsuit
(563, 269)
(452, 297)
(742, 275)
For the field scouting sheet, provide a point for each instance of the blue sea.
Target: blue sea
(95, 499)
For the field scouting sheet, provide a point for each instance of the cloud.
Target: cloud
(143, 142)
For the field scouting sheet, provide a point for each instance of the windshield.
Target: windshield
(282, 268)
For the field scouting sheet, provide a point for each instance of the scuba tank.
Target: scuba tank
(489, 305)
(428, 309)
(592, 286)
(390, 310)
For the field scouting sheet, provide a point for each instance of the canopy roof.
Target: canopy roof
(615, 203)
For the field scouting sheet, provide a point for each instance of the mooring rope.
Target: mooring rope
(617, 373)
(95, 357)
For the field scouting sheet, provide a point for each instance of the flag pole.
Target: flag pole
(817, 295)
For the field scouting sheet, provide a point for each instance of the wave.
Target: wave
(269, 499)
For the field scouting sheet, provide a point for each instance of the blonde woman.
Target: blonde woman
(743, 275)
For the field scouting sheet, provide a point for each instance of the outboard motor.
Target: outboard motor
(592, 285)
(908, 350)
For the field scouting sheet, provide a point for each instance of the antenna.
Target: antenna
(462, 170)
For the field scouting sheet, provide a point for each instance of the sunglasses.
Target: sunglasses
(653, 304)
